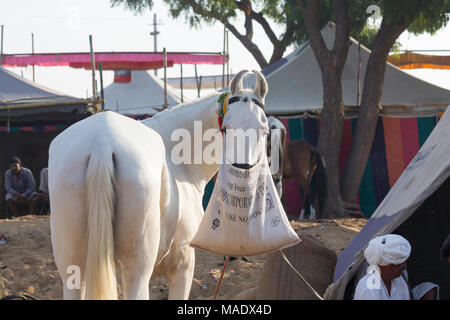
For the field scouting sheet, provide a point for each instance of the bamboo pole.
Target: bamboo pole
(94, 91)
(198, 81)
(102, 93)
(32, 51)
(166, 104)
(181, 81)
(223, 57)
(1, 47)
(228, 61)
(358, 85)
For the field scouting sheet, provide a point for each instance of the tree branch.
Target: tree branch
(310, 11)
(342, 41)
(245, 6)
(248, 44)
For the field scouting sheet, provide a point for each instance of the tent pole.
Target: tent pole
(1, 46)
(228, 61)
(198, 81)
(165, 77)
(32, 52)
(223, 57)
(181, 81)
(94, 91)
(358, 85)
(102, 93)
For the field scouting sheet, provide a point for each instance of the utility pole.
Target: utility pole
(155, 38)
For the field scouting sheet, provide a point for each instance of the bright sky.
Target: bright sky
(65, 26)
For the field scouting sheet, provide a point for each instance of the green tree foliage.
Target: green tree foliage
(283, 13)
(416, 16)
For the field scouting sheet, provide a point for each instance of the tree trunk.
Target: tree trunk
(369, 111)
(331, 62)
(330, 136)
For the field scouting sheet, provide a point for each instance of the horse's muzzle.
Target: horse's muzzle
(243, 165)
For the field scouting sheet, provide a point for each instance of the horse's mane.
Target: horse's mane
(195, 102)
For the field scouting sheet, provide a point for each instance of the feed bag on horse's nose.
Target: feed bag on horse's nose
(244, 216)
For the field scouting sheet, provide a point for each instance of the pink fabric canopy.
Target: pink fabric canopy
(111, 61)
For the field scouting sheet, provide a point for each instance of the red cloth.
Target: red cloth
(111, 61)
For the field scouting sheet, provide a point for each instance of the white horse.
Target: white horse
(276, 144)
(119, 199)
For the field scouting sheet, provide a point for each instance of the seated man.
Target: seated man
(386, 278)
(20, 188)
(42, 195)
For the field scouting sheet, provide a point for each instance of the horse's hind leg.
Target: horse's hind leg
(136, 270)
(137, 248)
(68, 221)
(180, 279)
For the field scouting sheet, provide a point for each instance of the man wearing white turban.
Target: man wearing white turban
(386, 277)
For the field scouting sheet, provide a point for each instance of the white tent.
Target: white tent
(295, 84)
(144, 94)
(417, 207)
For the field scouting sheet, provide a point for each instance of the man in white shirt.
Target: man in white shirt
(42, 195)
(386, 278)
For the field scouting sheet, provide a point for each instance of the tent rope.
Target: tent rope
(301, 277)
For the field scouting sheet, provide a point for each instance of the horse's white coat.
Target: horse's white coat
(277, 130)
(117, 197)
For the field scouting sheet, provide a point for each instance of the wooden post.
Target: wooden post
(181, 81)
(102, 93)
(358, 88)
(166, 104)
(1, 47)
(32, 51)
(223, 57)
(94, 91)
(228, 61)
(198, 81)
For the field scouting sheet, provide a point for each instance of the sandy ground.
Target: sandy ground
(27, 266)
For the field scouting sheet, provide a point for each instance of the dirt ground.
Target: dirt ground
(27, 265)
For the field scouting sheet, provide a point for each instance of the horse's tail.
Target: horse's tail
(320, 180)
(100, 266)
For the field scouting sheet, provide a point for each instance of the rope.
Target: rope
(285, 259)
(301, 277)
(221, 277)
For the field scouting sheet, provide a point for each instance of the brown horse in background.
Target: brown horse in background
(304, 162)
(298, 159)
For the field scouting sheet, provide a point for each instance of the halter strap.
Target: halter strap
(225, 100)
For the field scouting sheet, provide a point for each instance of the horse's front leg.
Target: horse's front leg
(180, 279)
(312, 212)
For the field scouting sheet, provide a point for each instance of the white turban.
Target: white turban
(387, 249)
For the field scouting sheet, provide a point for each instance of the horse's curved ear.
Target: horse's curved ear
(261, 86)
(236, 82)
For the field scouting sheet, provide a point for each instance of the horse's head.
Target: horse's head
(245, 124)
